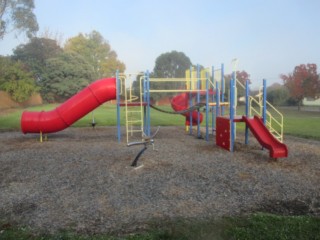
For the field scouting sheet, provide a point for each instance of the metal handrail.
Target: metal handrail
(252, 109)
(274, 123)
(278, 121)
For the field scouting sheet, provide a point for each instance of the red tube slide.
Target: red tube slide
(180, 103)
(70, 111)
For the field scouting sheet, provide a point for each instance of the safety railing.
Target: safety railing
(255, 107)
(274, 118)
(274, 122)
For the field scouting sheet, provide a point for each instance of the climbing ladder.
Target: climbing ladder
(133, 108)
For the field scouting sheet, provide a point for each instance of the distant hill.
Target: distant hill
(6, 102)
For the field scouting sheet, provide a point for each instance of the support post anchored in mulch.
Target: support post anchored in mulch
(146, 141)
(45, 138)
(93, 122)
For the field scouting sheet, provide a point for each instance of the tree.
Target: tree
(97, 52)
(136, 84)
(16, 80)
(242, 77)
(48, 34)
(35, 53)
(303, 82)
(170, 65)
(66, 74)
(19, 14)
(277, 94)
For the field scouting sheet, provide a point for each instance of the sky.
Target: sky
(268, 38)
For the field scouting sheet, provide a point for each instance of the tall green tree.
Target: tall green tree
(66, 74)
(136, 84)
(16, 80)
(170, 65)
(277, 94)
(35, 53)
(302, 82)
(17, 15)
(97, 52)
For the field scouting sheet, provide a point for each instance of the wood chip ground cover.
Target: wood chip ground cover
(81, 180)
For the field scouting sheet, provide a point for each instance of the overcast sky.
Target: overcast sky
(268, 38)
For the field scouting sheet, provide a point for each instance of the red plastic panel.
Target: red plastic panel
(223, 132)
(180, 103)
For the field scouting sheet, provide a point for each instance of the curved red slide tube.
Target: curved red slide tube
(180, 103)
(71, 110)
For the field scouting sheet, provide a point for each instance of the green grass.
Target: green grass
(10, 120)
(105, 115)
(256, 226)
(301, 124)
(270, 227)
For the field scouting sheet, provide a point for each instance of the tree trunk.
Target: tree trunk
(299, 105)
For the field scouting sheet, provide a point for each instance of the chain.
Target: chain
(190, 109)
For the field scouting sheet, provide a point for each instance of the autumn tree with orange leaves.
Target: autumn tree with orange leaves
(303, 82)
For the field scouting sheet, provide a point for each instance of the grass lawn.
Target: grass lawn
(256, 226)
(301, 124)
(105, 115)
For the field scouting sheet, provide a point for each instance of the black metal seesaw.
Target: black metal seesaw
(146, 140)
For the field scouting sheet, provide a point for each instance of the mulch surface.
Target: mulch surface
(81, 180)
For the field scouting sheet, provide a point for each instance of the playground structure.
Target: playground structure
(201, 88)
(265, 124)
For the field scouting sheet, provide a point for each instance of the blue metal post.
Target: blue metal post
(148, 104)
(232, 126)
(264, 109)
(190, 101)
(213, 100)
(222, 88)
(144, 101)
(247, 112)
(207, 106)
(198, 99)
(217, 99)
(234, 76)
(118, 84)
